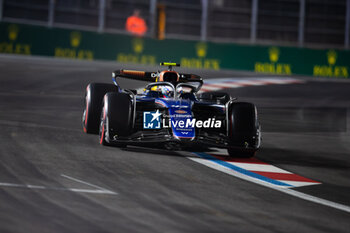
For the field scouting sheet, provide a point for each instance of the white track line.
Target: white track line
(258, 167)
(29, 186)
(89, 184)
(314, 199)
(98, 189)
(22, 186)
(284, 190)
(298, 183)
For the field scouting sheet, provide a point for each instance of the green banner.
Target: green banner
(74, 44)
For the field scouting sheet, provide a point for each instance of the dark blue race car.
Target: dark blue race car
(170, 111)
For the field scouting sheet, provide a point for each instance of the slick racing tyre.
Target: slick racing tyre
(116, 118)
(93, 105)
(243, 130)
(215, 96)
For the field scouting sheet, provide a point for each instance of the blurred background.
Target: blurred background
(305, 23)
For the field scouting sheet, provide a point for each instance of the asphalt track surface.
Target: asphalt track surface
(55, 178)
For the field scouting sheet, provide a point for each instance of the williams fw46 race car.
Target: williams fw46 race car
(170, 111)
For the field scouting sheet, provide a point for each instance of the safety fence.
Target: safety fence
(87, 45)
(303, 23)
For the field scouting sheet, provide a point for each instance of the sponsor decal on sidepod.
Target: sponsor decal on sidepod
(152, 120)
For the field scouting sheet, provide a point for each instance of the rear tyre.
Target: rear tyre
(215, 96)
(244, 130)
(116, 118)
(93, 105)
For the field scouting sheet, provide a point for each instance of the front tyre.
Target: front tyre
(116, 118)
(93, 105)
(243, 130)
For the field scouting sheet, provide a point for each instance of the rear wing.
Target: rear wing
(136, 75)
(152, 76)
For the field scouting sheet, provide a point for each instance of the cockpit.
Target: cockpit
(168, 90)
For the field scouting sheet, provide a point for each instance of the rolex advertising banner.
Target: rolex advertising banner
(74, 44)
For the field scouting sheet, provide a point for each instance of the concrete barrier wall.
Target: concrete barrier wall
(73, 44)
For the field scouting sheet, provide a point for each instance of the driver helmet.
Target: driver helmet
(166, 91)
(180, 90)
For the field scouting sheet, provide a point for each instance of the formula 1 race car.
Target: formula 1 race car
(170, 111)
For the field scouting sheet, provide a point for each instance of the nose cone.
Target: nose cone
(182, 122)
